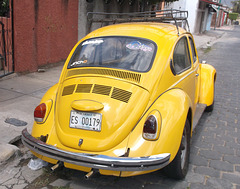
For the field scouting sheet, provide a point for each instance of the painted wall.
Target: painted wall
(186, 5)
(204, 26)
(179, 5)
(209, 19)
(192, 7)
(44, 32)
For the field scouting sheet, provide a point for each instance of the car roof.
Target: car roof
(148, 30)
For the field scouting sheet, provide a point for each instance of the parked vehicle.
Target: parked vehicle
(127, 101)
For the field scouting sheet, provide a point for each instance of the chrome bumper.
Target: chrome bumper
(94, 160)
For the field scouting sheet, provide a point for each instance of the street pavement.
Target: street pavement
(215, 152)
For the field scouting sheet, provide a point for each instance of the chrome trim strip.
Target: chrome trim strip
(94, 160)
(182, 78)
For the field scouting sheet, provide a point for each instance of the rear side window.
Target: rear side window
(194, 54)
(181, 59)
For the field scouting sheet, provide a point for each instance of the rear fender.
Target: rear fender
(207, 80)
(46, 127)
(173, 106)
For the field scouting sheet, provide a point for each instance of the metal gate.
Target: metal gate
(6, 38)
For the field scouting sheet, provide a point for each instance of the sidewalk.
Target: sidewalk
(19, 95)
(210, 37)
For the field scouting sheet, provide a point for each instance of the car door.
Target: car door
(196, 69)
(182, 68)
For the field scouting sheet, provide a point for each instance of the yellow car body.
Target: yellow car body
(123, 99)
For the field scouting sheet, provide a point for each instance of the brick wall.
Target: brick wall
(44, 32)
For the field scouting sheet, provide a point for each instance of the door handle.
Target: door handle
(197, 75)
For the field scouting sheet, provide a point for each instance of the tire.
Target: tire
(178, 168)
(210, 108)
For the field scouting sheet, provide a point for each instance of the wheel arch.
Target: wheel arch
(208, 77)
(173, 122)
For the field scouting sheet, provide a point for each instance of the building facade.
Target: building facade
(191, 6)
(202, 14)
(37, 33)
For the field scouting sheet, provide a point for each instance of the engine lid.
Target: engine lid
(95, 114)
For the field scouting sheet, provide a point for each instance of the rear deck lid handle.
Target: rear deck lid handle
(87, 105)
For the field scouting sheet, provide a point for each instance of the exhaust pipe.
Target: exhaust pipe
(92, 173)
(58, 165)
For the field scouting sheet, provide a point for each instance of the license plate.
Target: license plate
(85, 120)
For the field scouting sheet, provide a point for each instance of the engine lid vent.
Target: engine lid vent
(135, 77)
(84, 88)
(121, 95)
(68, 90)
(102, 89)
(113, 92)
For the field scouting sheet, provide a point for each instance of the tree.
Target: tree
(236, 6)
(233, 16)
(4, 7)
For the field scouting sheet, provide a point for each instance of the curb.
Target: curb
(7, 151)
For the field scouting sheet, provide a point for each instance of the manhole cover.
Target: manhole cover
(15, 122)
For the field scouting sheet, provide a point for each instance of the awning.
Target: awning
(212, 8)
(211, 2)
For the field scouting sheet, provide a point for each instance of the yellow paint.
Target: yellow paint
(87, 105)
(208, 76)
(77, 167)
(169, 97)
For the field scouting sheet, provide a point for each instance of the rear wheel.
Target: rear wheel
(210, 108)
(179, 166)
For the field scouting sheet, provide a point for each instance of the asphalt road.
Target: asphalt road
(215, 148)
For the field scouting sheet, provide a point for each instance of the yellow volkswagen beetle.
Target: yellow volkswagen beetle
(126, 103)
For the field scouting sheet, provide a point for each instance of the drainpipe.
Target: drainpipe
(217, 16)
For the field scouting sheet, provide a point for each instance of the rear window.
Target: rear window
(114, 52)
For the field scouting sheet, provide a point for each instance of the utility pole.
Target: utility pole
(217, 15)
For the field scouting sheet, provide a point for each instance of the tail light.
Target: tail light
(40, 112)
(151, 129)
